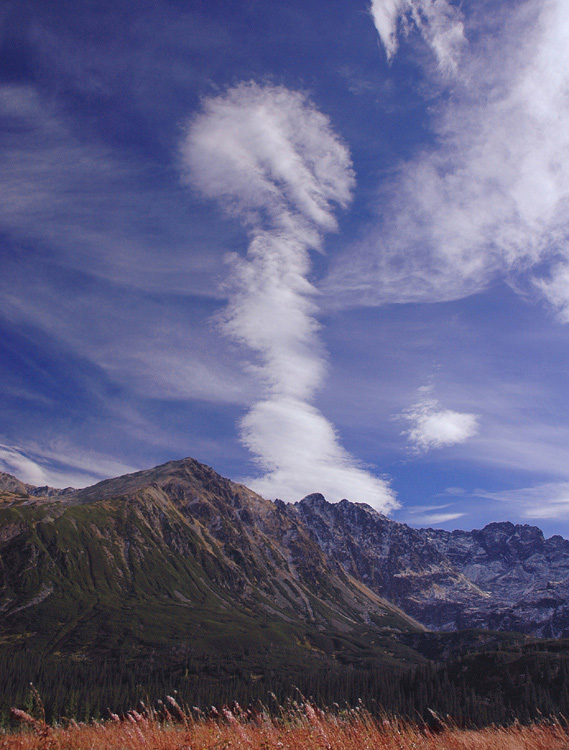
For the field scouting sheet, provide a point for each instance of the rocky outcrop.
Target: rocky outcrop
(502, 577)
(525, 575)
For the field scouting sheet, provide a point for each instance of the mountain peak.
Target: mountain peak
(13, 485)
(315, 499)
(10, 483)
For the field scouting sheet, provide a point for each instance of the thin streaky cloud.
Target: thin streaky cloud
(138, 342)
(87, 203)
(42, 467)
(541, 501)
(436, 518)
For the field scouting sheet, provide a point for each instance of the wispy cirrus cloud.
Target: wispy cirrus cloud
(59, 465)
(490, 198)
(433, 426)
(541, 501)
(98, 211)
(272, 160)
(438, 21)
(139, 342)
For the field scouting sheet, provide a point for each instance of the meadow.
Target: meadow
(299, 725)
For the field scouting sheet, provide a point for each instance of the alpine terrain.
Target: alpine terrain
(176, 578)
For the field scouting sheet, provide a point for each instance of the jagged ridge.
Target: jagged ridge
(503, 577)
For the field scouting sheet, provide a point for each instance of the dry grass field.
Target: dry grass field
(299, 726)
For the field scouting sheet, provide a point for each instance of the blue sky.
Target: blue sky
(317, 246)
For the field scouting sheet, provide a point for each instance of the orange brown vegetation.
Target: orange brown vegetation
(301, 726)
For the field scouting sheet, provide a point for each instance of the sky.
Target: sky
(318, 246)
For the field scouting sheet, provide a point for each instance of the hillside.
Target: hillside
(179, 560)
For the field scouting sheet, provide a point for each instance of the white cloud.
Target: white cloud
(436, 427)
(24, 468)
(436, 518)
(491, 197)
(274, 161)
(386, 14)
(542, 501)
(300, 451)
(438, 21)
(268, 150)
(58, 465)
(556, 290)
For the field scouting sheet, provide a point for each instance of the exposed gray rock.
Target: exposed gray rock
(526, 575)
(502, 577)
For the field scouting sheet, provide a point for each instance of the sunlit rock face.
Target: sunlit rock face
(503, 577)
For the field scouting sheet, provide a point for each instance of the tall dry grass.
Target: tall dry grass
(299, 726)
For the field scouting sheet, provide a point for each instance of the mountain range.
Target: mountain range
(503, 577)
(180, 560)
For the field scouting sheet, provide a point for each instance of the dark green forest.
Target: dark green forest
(513, 682)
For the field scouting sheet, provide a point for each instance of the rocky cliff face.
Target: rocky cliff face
(503, 577)
(400, 562)
(526, 576)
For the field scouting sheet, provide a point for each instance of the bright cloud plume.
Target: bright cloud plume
(300, 449)
(272, 160)
(432, 426)
(491, 197)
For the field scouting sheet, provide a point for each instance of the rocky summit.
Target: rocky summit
(502, 577)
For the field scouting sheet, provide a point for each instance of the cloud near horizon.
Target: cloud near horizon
(59, 465)
(272, 160)
(490, 198)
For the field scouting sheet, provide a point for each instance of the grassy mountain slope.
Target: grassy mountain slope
(177, 560)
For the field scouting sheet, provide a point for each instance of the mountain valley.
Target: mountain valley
(177, 574)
